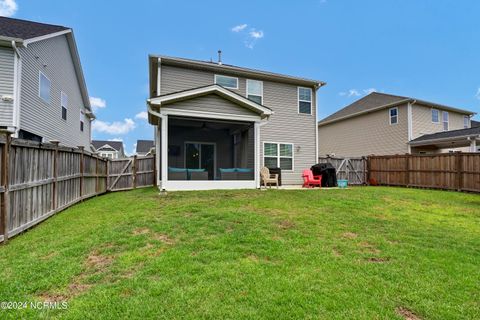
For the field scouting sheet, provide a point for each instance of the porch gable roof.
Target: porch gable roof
(234, 97)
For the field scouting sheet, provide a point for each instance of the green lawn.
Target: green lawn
(362, 253)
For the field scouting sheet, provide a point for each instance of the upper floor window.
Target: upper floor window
(255, 91)
(304, 100)
(445, 120)
(393, 112)
(278, 155)
(466, 122)
(44, 87)
(64, 104)
(435, 116)
(82, 120)
(227, 82)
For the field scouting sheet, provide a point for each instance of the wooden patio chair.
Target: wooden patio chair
(267, 178)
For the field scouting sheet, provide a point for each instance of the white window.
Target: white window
(227, 82)
(278, 155)
(435, 116)
(466, 122)
(64, 104)
(43, 87)
(304, 100)
(82, 120)
(393, 112)
(445, 120)
(255, 91)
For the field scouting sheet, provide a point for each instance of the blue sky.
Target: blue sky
(424, 49)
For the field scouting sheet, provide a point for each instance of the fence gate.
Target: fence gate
(352, 169)
(131, 173)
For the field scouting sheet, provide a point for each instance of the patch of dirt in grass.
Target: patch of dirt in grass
(407, 314)
(350, 235)
(378, 260)
(140, 231)
(97, 261)
(252, 257)
(286, 224)
(77, 288)
(163, 238)
(336, 252)
(52, 297)
(369, 247)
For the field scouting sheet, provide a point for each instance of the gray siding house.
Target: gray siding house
(218, 124)
(109, 149)
(43, 95)
(384, 124)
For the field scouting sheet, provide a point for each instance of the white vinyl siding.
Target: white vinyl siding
(445, 120)
(44, 85)
(7, 75)
(435, 116)
(304, 100)
(278, 155)
(226, 82)
(255, 91)
(393, 113)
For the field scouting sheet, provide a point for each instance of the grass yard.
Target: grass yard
(363, 253)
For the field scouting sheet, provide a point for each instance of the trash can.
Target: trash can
(277, 171)
(328, 173)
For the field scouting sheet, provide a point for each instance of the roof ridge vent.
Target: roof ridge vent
(219, 57)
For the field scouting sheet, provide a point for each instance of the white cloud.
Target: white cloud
(97, 103)
(356, 93)
(142, 115)
(239, 28)
(8, 8)
(252, 38)
(369, 90)
(256, 34)
(353, 93)
(116, 139)
(116, 127)
(478, 94)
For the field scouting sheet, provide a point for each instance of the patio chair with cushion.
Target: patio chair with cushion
(267, 178)
(309, 180)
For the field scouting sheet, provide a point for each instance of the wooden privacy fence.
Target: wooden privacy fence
(352, 169)
(451, 171)
(38, 180)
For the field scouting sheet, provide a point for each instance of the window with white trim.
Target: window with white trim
(304, 100)
(466, 122)
(64, 104)
(44, 87)
(82, 120)
(435, 116)
(393, 112)
(226, 81)
(278, 155)
(445, 120)
(255, 90)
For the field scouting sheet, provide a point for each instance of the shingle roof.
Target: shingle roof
(474, 123)
(23, 29)
(144, 146)
(377, 100)
(449, 134)
(117, 145)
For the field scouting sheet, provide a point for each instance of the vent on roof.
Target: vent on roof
(219, 56)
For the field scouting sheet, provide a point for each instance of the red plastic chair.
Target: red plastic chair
(310, 181)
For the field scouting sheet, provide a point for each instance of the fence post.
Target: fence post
(407, 170)
(81, 171)
(55, 174)
(107, 179)
(459, 166)
(134, 171)
(97, 180)
(5, 198)
(368, 175)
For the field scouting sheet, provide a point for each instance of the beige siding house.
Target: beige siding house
(218, 124)
(387, 124)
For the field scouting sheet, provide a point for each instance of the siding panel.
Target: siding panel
(211, 103)
(6, 85)
(53, 58)
(422, 121)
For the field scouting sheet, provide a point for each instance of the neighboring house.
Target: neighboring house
(43, 95)
(109, 149)
(144, 147)
(384, 124)
(219, 124)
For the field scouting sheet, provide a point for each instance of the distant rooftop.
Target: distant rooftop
(23, 29)
(376, 100)
(144, 146)
(117, 145)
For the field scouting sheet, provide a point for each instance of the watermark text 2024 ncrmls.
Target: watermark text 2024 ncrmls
(17, 305)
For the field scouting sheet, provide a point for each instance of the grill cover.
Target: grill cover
(328, 173)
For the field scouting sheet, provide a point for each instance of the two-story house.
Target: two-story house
(218, 124)
(43, 95)
(109, 149)
(383, 124)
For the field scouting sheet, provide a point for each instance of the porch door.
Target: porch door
(200, 155)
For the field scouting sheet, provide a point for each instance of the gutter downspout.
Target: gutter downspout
(410, 123)
(16, 89)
